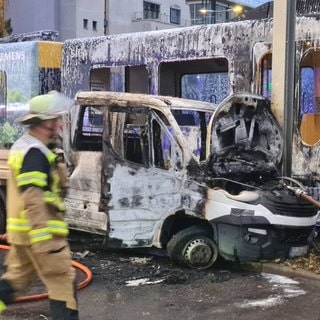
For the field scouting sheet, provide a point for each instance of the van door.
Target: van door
(83, 151)
(142, 175)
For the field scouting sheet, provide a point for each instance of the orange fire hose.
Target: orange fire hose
(40, 296)
(308, 198)
(299, 192)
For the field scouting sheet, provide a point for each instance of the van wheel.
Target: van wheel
(193, 247)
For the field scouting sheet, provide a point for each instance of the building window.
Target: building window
(175, 16)
(216, 14)
(151, 10)
(222, 14)
(94, 25)
(85, 23)
(196, 16)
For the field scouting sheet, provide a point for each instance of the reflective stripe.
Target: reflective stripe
(51, 156)
(15, 160)
(54, 227)
(58, 227)
(51, 198)
(39, 235)
(16, 224)
(36, 178)
(56, 183)
(2, 306)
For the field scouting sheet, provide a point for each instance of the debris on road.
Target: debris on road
(310, 262)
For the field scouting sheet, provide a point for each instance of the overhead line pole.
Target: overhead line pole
(283, 73)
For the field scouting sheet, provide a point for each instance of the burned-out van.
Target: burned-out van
(199, 180)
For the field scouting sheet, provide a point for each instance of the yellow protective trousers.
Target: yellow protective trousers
(53, 267)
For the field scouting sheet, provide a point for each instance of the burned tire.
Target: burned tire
(193, 247)
(2, 213)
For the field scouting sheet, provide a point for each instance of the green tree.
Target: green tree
(9, 134)
(16, 96)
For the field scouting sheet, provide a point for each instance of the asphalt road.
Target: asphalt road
(135, 286)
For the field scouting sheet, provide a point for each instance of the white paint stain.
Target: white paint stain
(265, 303)
(142, 281)
(285, 287)
(278, 280)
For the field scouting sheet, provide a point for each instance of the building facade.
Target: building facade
(218, 11)
(82, 18)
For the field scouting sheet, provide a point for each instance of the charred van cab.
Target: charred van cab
(198, 180)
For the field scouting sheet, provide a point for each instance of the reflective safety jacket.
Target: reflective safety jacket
(34, 214)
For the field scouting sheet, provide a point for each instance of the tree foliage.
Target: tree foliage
(16, 96)
(9, 134)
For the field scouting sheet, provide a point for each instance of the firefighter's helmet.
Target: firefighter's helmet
(46, 107)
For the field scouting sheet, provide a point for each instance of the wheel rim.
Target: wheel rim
(201, 253)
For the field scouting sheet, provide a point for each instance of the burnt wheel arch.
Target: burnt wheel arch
(193, 247)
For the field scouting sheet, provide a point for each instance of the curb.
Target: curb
(275, 268)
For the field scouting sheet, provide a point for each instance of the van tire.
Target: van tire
(193, 247)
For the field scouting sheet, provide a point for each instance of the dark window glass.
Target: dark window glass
(151, 10)
(175, 16)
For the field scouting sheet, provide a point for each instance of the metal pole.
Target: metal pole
(283, 73)
(105, 21)
(289, 86)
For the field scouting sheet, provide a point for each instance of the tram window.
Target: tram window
(309, 100)
(199, 79)
(267, 83)
(100, 79)
(212, 87)
(136, 79)
(307, 91)
(266, 76)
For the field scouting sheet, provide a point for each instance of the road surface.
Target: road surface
(135, 286)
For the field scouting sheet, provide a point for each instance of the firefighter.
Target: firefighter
(36, 229)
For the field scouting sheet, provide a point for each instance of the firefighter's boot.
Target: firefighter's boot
(59, 311)
(6, 294)
(73, 314)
